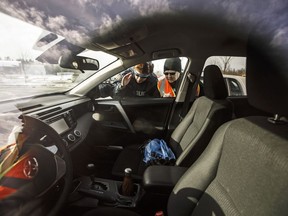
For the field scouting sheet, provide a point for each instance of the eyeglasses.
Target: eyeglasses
(141, 75)
(171, 73)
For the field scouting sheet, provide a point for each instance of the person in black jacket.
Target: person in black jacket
(138, 82)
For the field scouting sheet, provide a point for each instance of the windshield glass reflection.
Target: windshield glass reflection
(27, 61)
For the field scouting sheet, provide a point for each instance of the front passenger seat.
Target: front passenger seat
(192, 135)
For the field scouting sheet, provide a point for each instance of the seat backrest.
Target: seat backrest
(244, 169)
(206, 115)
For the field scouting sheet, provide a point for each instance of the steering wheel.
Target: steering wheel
(38, 172)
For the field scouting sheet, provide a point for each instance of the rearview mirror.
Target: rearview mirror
(78, 62)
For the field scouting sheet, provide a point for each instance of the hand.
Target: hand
(167, 95)
(126, 79)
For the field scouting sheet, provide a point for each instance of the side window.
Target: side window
(158, 78)
(234, 73)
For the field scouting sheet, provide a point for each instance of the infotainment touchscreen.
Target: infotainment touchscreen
(59, 126)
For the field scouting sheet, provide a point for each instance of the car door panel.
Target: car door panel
(148, 116)
(110, 114)
(119, 123)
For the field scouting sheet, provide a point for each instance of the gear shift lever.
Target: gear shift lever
(91, 168)
(95, 185)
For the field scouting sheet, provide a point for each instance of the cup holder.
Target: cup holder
(108, 192)
(99, 186)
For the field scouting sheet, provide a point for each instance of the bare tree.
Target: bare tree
(25, 56)
(225, 60)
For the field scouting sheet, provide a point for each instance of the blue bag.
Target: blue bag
(157, 152)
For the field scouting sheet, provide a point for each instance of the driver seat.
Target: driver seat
(244, 169)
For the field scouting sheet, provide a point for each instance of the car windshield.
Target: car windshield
(27, 70)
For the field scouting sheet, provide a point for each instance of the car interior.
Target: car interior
(231, 149)
(192, 135)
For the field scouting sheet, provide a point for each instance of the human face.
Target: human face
(171, 75)
(140, 77)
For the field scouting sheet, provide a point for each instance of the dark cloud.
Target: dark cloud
(75, 19)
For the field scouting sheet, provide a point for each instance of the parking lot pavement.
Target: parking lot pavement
(12, 92)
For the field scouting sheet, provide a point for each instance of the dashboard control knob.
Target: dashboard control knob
(77, 133)
(71, 137)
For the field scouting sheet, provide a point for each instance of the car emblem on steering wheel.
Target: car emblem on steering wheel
(31, 167)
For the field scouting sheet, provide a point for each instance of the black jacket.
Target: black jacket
(148, 88)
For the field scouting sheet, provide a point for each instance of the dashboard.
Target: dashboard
(69, 116)
(73, 117)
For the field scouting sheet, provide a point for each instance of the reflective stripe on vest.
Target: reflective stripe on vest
(165, 88)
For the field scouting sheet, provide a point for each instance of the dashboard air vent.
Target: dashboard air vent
(30, 107)
(49, 111)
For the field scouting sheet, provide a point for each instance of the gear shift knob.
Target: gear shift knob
(90, 166)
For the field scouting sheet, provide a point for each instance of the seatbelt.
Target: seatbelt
(191, 92)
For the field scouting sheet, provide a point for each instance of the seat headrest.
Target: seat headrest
(267, 73)
(214, 85)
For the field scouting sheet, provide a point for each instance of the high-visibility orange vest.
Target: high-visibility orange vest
(164, 87)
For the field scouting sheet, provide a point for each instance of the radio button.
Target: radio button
(71, 137)
(77, 133)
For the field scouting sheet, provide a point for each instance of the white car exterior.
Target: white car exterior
(236, 85)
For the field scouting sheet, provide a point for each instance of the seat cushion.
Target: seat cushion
(131, 157)
(241, 188)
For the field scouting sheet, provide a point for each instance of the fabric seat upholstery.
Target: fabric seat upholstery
(192, 135)
(225, 182)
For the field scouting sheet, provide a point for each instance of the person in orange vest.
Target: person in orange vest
(167, 86)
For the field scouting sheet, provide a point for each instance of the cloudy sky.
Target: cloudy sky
(11, 44)
(74, 19)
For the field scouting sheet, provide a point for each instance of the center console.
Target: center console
(158, 182)
(162, 179)
(108, 192)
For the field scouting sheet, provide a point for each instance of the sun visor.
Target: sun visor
(129, 51)
(53, 54)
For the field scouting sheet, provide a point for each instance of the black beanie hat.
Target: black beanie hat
(172, 64)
